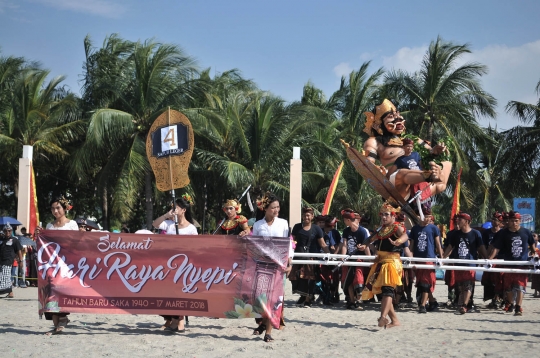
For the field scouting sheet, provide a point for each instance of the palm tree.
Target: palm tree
(40, 114)
(522, 152)
(357, 94)
(493, 174)
(444, 99)
(146, 78)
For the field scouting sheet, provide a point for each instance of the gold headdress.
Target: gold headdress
(387, 207)
(64, 202)
(263, 202)
(374, 121)
(235, 204)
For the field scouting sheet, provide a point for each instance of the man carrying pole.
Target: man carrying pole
(512, 242)
(466, 244)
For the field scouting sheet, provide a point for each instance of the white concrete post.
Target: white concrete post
(295, 189)
(23, 196)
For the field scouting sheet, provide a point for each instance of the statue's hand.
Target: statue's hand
(439, 149)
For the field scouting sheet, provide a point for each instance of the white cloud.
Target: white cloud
(343, 69)
(513, 73)
(95, 7)
(6, 5)
(368, 56)
(406, 59)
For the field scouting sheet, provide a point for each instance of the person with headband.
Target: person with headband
(449, 278)
(514, 243)
(353, 243)
(386, 271)
(330, 278)
(309, 239)
(426, 243)
(234, 224)
(493, 281)
(166, 223)
(465, 244)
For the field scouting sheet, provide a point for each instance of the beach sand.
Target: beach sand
(310, 332)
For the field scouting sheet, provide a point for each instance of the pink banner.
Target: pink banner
(213, 276)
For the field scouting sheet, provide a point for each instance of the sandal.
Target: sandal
(166, 324)
(174, 330)
(384, 322)
(62, 323)
(268, 338)
(259, 330)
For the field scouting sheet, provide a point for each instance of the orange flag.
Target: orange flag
(331, 190)
(34, 213)
(455, 204)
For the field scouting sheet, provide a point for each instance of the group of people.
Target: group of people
(17, 254)
(386, 279)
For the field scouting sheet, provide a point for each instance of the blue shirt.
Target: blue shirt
(332, 238)
(424, 240)
(409, 161)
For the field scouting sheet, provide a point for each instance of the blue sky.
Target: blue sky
(283, 44)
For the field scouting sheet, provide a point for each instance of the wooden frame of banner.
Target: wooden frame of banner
(171, 171)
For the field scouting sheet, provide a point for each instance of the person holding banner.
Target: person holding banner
(59, 207)
(166, 224)
(514, 242)
(269, 224)
(235, 224)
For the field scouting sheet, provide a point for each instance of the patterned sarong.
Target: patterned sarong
(5, 279)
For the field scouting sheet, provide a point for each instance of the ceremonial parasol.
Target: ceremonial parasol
(9, 220)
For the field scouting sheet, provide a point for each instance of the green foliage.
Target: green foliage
(93, 148)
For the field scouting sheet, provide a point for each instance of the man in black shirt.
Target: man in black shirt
(10, 248)
(352, 243)
(514, 244)
(465, 244)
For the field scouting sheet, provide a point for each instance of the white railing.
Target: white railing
(410, 262)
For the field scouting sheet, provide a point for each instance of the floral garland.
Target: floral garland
(187, 198)
(425, 153)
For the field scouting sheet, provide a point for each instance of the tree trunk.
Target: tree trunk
(105, 208)
(430, 131)
(149, 202)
